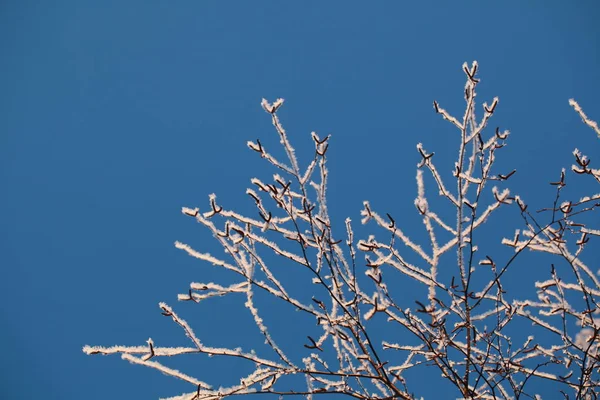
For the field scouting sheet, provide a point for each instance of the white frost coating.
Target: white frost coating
(587, 199)
(271, 108)
(188, 330)
(595, 232)
(449, 117)
(166, 370)
(209, 290)
(158, 351)
(584, 338)
(190, 211)
(426, 161)
(586, 120)
(421, 201)
(264, 330)
(205, 256)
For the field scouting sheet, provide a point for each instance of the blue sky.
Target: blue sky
(115, 114)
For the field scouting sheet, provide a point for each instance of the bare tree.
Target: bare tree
(462, 325)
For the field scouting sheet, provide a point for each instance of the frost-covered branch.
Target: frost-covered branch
(449, 294)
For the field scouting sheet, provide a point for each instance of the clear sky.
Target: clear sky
(114, 114)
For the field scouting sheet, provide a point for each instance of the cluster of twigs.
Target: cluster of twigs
(461, 327)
